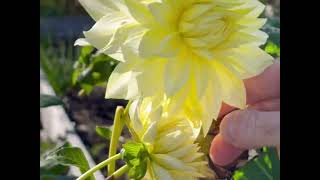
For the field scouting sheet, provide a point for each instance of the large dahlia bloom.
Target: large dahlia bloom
(172, 153)
(193, 53)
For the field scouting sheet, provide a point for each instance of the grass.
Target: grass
(57, 61)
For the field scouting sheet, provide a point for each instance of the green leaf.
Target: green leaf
(49, 100)
(138, 171)
(86, 50)
(92, 70)
(75, 76)
(70, 156)
(51, 167)
(104, 132)
(57, 177)
(46, 146)
(136, 157)
(133, 150)
(87, 88)
(272, 49)
(264, 167)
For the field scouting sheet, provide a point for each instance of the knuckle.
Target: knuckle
(243, 133)
(233, 127)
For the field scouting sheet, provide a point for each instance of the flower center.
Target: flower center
(203, 27)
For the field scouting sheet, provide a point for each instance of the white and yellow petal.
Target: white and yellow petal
(101, 33)
(245, 62)
(233, 91)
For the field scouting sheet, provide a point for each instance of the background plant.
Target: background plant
(91, 70)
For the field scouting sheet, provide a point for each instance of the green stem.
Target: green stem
(119, 172)
(116, 132)
(99, 166)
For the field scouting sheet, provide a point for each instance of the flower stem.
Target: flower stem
(116, 132)
(99, 166)
(119, 172)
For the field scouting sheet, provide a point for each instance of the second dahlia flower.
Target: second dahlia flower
(169, 141)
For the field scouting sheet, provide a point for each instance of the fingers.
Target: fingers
(267, 105)
(262, 128)
(264, 86)
(222, 153)
(250, 129)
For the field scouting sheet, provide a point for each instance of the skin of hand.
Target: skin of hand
(256, 126)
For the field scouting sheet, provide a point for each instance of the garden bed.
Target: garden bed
(88, 112)
(56, 128)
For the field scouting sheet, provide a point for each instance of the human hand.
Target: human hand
(256, 126)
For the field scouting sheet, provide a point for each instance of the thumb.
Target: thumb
(248, 129)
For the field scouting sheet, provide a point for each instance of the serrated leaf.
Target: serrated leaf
(104, 132)
(49, 100)
(70, 156)
(265, 167)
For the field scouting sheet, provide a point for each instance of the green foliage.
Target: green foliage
(91, 70)
(57, 62)
(272, 49)
(104, 132)
(46, 146)
(97, 148)
(264, 167)
(51, 167)
(69, 156)
(48, 100)
(136, 157)
(60, 8)
(51, 170)
(57, 177)
(139, 169)
(52, 7)
(272, 28)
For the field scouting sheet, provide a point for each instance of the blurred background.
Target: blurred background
(79, 78)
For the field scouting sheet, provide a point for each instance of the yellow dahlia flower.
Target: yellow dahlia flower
(195, 53)
(170, 143)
